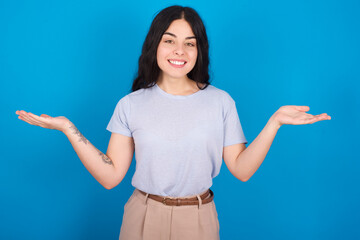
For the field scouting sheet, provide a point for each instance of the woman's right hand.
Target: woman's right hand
(59, 123)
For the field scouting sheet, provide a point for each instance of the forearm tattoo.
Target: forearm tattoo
(83, 139)
(106, 159)
(77, 132)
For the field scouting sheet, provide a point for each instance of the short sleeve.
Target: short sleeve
(233, 132)
(119, 122)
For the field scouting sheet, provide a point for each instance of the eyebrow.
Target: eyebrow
(171, 34)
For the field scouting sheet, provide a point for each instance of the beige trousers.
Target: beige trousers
(147, 219)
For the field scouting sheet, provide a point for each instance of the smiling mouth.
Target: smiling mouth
(177, 63)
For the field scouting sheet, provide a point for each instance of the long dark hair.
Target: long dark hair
(148, 71)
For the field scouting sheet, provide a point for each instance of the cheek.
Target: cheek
(161, 58)
(163, 51)
(160, 55)
(193, 55)
(193, 52)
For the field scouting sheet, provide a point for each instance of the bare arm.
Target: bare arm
(249, 160)
(109, 169)
(105, 170)
(244, 162)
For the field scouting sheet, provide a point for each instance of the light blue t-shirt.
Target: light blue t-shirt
(178, 139)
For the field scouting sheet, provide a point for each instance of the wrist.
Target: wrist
(274, 123)
(67, 128)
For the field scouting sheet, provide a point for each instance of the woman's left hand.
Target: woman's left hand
(296, 115)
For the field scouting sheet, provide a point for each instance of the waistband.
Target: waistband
(205, 198)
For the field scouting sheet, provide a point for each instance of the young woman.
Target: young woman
(182, 128)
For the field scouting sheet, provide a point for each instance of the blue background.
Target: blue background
(78, 58)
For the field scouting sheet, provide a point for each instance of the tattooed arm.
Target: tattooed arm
(108, 169)
(97, 163)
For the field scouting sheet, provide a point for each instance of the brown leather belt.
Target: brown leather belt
(182, 201)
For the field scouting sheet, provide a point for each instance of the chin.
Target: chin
(174, 74)
(177, 75)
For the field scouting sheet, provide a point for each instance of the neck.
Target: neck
(177, 86)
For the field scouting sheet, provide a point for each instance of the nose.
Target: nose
(179, 50)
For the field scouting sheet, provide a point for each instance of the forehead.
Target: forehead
(180, 28)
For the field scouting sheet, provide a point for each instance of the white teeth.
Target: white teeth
(177, 62)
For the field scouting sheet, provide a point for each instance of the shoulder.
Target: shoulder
(141, 95)
(133, 96)
(220, 94)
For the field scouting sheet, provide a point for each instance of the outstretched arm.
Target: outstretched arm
(108, 172)
(247, 162)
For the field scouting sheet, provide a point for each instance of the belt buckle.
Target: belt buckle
(164, 200)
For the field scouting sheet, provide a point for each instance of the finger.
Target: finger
(23, 115)
(25, 119)
(306, 120)
(323, 116)
(34, 119)
(303, 108)
(317, 118)
(45, 116)
(38, 118)
(29, 118)
(326, 117)
(21, 112)
(309, 120)
(29, 115)
(305, 115)
(34, 122)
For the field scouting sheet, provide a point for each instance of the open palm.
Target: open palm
(296, 115)
(44, 120)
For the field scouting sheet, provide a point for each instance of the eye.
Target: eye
(190, 44)
(168, 41)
